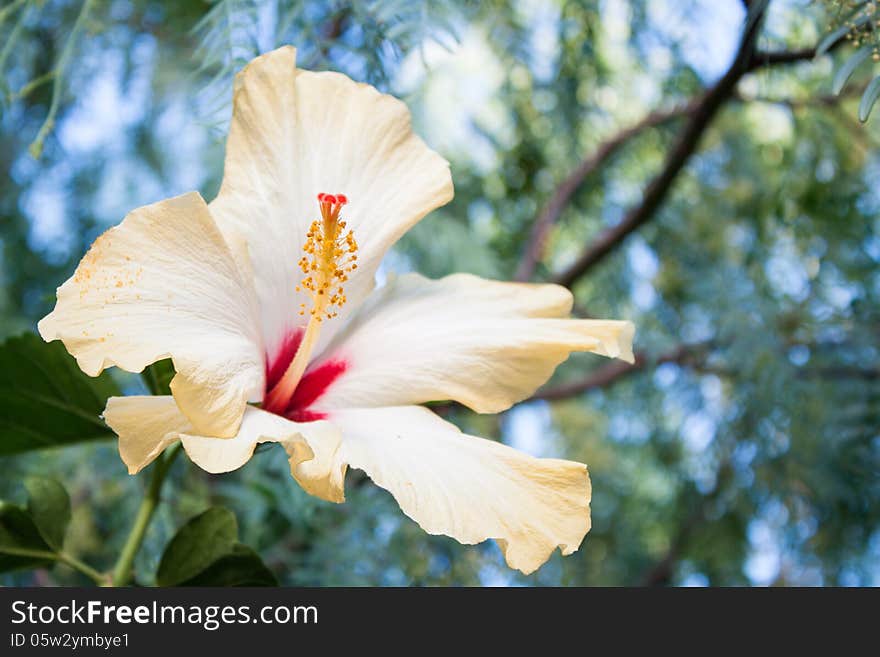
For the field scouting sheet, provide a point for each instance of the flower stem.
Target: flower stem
(123, 570)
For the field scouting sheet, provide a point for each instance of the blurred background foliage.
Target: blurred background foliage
(744, 446)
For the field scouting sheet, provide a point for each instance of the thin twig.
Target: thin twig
(36, 147)
(33, 85)
(9, 46)
(10, 9)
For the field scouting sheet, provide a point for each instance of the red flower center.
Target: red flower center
(313, 384)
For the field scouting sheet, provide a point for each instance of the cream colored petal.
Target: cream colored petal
(296, 133)
(147, 425)
(165, 283)
(483, 343)
(466, 487)
(302, 441)
(319, 470)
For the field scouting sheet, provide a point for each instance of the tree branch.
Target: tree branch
(701, 111)
(617, 369)
(563, 193)
(685, 146)
(762, 58)
(689, 355)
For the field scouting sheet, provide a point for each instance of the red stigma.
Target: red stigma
(332, 199)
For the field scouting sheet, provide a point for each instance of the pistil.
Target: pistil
(329, 256)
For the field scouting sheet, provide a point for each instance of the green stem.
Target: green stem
(27, 89)
(84, 568)
(123, 569)
(36, 147)
(13, 36)
(63, 557)
(9, 9)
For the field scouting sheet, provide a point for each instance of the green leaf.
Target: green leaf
(844, 73)
(872, 92)
(49, 508)
(158, 377)
(45, 400)
(20, 540)
(833, 37)
(206, 552)
(830, 39)
(242, 567)
(197, 545)
(29, 537)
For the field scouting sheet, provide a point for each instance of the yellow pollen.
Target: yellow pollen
(329, 257)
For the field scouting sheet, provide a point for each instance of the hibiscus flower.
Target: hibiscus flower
(264, 300)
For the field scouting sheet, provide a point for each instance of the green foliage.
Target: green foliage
(31, 537)
(21, 545)
(869, 98)
(206, 552)
(46, 400)
(240, 567)
(229, 35)
(856, 22)
(49, 507)
(844, 73)
(59, 77)
(831, 39)
(157, 377)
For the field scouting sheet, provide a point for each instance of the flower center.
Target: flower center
(329, 256)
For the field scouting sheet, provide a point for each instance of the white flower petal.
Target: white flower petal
(147, 425)
(301, 440)
(483, 343)
(165, 283)
(296, 133)
(466, 487)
